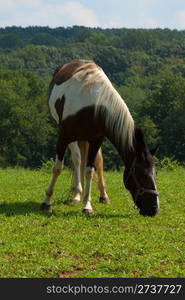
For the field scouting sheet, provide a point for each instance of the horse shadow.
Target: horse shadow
(28, 208)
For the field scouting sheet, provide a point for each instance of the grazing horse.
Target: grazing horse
(87, 107)
(79, 151)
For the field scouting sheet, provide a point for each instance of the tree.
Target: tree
(166, 108)
(10, 41)
(25, 130)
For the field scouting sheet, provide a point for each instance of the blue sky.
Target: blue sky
(94, 13)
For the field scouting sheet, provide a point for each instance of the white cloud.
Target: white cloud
(147, 22)
(139, 21)
(43, 13)
(145, 3)
(180, 17)
(133, 14)
(80, 15)
(106, 13)
(5, 5)
(10, 4)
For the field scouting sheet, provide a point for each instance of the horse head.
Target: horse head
(139, 176)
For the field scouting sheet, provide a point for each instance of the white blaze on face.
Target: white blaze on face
(153, 176)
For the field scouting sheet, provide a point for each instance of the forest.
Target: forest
(146, 66)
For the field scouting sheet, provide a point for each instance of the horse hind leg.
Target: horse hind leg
(76, 159)
(46, 204)
(101, 183)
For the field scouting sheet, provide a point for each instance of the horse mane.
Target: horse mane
(109, 103)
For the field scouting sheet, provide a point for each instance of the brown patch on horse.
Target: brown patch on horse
(59, 105)
(68, 70)
(87, 128)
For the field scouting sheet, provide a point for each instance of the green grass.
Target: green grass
(114, 242)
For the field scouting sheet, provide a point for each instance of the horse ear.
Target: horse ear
(154, 150)
(139, 135)
(140, 143)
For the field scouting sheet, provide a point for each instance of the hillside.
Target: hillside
(146, 66)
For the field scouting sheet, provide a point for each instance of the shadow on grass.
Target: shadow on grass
(28, 208)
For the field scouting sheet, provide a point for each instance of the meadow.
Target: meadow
(114, 242)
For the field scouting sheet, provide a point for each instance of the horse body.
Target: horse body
(86, 107)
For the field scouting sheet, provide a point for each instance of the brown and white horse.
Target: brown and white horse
(86, 107)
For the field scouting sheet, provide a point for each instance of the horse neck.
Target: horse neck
(116, 117)
(124, 151)
(121, 135)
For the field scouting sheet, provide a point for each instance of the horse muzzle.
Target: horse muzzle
(150, 209)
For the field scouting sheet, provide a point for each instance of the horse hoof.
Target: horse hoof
(76, 201)
(104, 200)
(46, 207)
(88, 211)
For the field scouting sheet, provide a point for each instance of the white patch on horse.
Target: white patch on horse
(76, 158)
(71, 89)
(56, 93)
(88, 206)
(87, 194)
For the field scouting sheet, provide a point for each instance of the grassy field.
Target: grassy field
(114, 242)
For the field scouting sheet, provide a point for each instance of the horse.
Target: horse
(79, 152)
(87, 107)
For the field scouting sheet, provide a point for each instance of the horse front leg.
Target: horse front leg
(92, 152)
(101, 183)
(76, 159)
(87, 193)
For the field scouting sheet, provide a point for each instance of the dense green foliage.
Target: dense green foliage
(114, 242)
(146, 66)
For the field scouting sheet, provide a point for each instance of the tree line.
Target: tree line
(147, 67)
